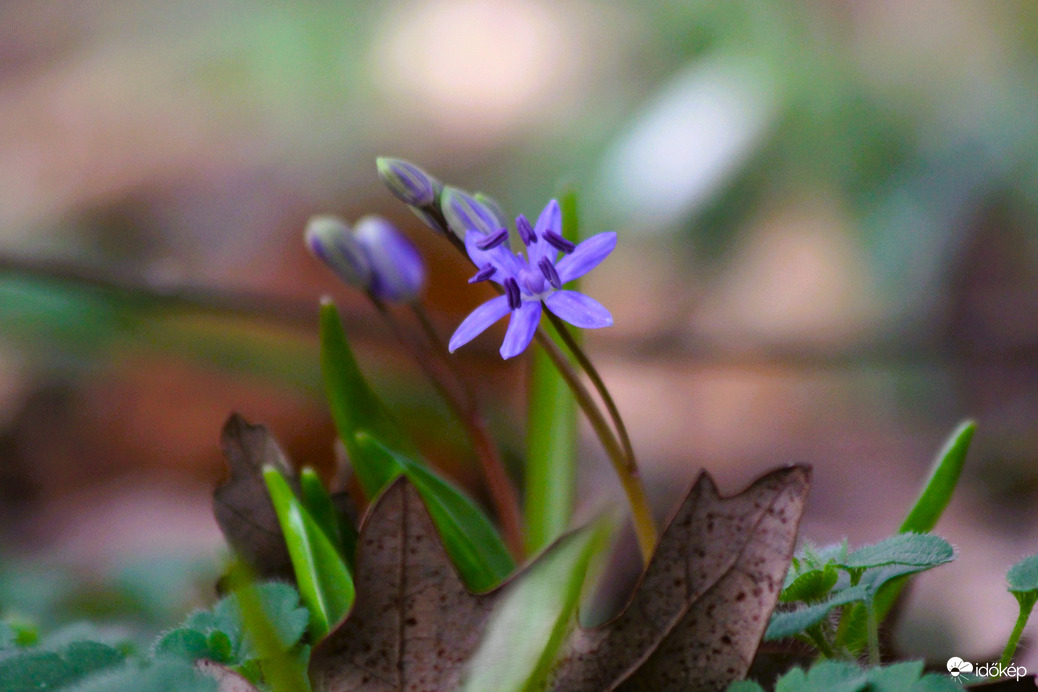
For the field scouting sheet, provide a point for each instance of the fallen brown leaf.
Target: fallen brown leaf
(414, 624)
(701, 608)
(242, 505)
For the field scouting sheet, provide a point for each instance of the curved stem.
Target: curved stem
(641, 513)
(1026, 605)
(596, 380)
(502, 493)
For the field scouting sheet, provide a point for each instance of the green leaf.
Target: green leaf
(943, 478)
(162, 675)
(843, 676)
(790, 622)
(1023, 576)
(811, 586)
(319, 503)
(53, 670)
(325, 584)
(186, 643)
(471, 541)
(34, 670)
(916, 549)
(827, 676)
(526, 630)
(923, 516)
(272, 622)
(551, 431)
(745, 686)
(355, 408)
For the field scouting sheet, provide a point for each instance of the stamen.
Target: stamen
(512, 289)
(548, 269)
(526, 231)
(484, 273)
(558, 242)
(493, 240)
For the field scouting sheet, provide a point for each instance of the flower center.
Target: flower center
(532, 280)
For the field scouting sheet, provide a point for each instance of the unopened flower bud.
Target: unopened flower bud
(407, 181)
(331, 241)
(464, 213)
(397, 269)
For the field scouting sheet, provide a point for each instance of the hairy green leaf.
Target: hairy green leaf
(1023, 576)
(916, 549)
(790, 622)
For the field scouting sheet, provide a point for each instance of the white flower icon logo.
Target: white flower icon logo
(956, 666)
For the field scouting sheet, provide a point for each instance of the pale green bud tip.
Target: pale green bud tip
(330, 240)
(397, 269)
(407, 181)
(467, 213)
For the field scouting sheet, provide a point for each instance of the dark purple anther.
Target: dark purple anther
(548, 269)
(484, 273)
(558, 242)
(493, 240)
(525, 230)
(512, 289)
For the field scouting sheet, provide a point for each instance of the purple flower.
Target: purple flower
(533, 280)
(374, 256)
(397, 270)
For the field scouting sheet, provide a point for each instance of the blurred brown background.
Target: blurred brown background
(827, 254)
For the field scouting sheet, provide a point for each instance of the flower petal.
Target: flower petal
(477, 321)
(588, 255)
(550, 219)
(521, 326)
(500, 257)
(578, 309)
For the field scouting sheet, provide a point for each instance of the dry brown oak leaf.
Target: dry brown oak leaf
(694, 622)
(241, 504)
(413, 624)
(696, 619)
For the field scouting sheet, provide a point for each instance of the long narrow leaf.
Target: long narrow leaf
(319, 503)
(528, 625)
(943, 478)
(355, 407)
(551, 432)
(471, 541)
(325, 584)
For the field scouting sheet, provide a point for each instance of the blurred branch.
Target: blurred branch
(297, 313)
(891, 351)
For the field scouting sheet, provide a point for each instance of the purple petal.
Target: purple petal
(550, 219)
(477, 322)
(500, 257)
(578, 309)
(521, 326)
(586, 257)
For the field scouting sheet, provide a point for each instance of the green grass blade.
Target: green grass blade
(473, 544)
(284, 671)
(943, 478)
(355, 407)
(325, 584)
(528, 625)
(551, 430)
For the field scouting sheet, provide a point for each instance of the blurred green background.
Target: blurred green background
(827, 254)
